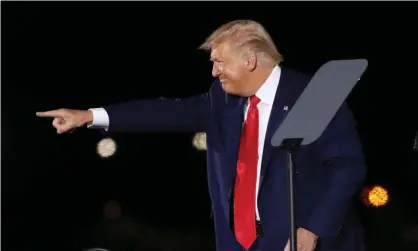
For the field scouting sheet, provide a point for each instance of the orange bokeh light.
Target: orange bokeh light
(376, 196)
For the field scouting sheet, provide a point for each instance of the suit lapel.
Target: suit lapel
(282, 104)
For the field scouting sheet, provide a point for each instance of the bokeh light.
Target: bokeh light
(106, 147)
(199, 141)
(376, 196)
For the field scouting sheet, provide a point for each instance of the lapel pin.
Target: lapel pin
(285, 108)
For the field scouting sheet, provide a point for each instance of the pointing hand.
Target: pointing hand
(67, 119)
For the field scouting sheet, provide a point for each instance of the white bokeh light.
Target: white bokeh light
(199, 141)
(106, 147)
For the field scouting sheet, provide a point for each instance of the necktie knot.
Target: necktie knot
(254, 100)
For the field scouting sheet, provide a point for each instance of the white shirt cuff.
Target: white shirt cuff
(100, 119)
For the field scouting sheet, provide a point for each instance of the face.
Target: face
(231, 69)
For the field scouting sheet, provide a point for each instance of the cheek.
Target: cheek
(233, 74)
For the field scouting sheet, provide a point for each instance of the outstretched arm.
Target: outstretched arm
(152, 115)
(178, 115)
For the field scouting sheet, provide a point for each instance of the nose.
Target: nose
(215, 70)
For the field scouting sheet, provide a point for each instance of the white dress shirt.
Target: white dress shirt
(266, 94)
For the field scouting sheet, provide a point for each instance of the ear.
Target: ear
(251, 62)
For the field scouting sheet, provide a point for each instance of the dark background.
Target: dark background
(83, 55)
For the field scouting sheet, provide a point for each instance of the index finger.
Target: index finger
(53, 114)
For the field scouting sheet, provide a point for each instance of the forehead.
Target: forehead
(221, 51)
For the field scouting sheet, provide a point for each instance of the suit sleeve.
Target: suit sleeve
(340, 151)
(158, 115)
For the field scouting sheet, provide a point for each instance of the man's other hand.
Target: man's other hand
(306, 241)
(66, 119)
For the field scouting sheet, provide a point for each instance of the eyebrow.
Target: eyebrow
(215, 59)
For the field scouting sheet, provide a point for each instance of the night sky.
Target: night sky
(83, 55)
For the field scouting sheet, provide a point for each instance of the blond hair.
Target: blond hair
(248, 36)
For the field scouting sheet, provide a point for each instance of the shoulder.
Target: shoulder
(298, 80)
(291, 85)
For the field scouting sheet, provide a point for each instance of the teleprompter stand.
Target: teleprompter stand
(312, 113)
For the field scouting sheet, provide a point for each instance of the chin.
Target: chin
(231, 92)
(226, 88)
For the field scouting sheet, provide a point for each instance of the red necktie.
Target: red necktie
(244, 193)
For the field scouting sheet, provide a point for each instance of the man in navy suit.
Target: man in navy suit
(247, 176)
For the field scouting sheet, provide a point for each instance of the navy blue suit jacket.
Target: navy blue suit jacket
(328, 171)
